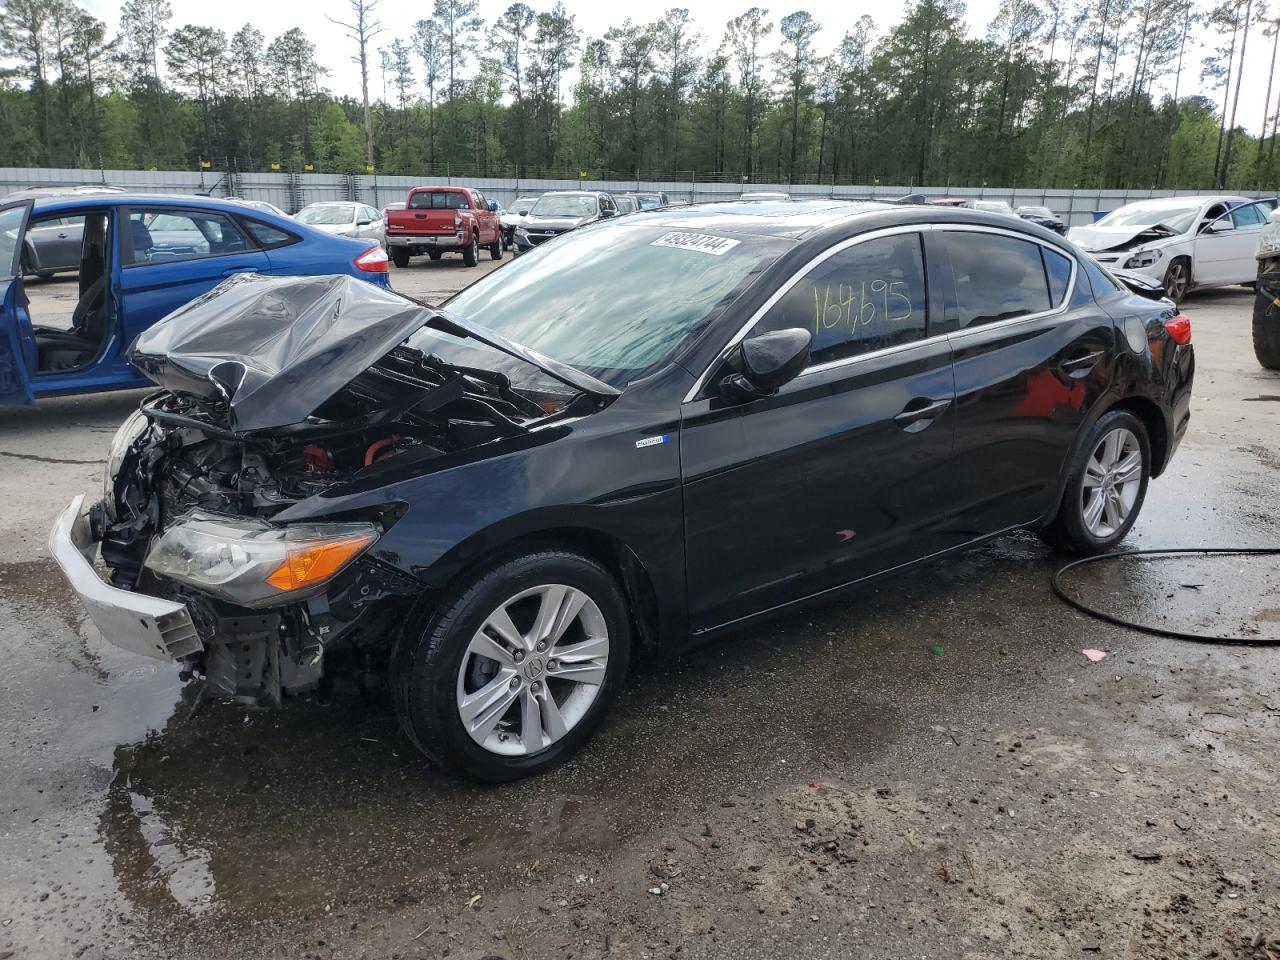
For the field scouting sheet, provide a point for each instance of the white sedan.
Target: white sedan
(1180, 242)
(346, 219)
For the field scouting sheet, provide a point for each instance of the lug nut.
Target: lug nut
(536, 687)
(542, 646)
(519, 656)
(553, 664)
(515, 682)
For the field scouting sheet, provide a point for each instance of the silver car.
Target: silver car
(346, 219)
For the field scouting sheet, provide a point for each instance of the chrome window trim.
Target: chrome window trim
(920, 228)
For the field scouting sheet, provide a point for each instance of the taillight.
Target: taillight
(373, 260)
(457, 219)
(1179, 328)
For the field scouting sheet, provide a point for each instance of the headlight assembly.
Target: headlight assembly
(1143, 258)
(129, 431)
(253, 564)
(522, 233)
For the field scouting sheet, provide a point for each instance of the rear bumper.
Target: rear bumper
(444, 241)
(142, 624)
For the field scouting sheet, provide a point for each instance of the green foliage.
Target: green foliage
(1056, 93)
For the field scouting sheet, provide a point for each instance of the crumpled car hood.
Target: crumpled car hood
(276, 348)
(1096, 239)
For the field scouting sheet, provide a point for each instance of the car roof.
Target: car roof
(805, 219)
(87, 201)
(1184, 201)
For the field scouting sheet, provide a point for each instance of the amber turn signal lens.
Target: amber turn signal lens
(315, 563)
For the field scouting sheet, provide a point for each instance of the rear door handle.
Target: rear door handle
(919, 413)
(1080, 365)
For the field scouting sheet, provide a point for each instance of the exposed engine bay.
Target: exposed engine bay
(186, 459)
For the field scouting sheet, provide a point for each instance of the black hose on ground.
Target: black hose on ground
(1083, 607)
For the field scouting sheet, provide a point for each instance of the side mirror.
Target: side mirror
(768, 362)
(363, 223)
(1219, 226)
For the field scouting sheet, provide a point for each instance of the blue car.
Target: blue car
(141, 257)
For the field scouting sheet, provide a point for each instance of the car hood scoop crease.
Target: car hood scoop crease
(274, 349)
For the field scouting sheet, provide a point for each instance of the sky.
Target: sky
(334, 50)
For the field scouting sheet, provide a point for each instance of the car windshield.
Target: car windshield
(614, 302)
(339, 213)
(625, 204)
(564, 206)
(1177, 219)
(992, 206)
(524, 205)
(650, 203)
(1036, 212)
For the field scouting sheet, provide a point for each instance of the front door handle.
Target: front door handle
(1079, 365)
(919, 413)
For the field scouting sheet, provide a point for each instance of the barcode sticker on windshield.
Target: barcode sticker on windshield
(701, 242)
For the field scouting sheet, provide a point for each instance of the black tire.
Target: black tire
(431, 650)
(495, 248)
(1177, 279)
(471, 252)
(434, 255)
(1068, 530)
(400, 257)
(1266, 330)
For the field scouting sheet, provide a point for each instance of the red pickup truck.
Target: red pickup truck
(436, 220)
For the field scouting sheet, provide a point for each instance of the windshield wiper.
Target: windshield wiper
(463, 328)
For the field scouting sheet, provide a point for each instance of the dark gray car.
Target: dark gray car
(559, 211)
(53, 246)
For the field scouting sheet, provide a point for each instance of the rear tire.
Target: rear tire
(1266, 331)
(495, 248)
(471, 252)
(400, 257)
(1106, 487)
(463, 689)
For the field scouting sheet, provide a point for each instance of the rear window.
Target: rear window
(268, 236)
(438, 200)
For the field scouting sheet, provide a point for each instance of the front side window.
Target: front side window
(167, 236)
(10, 222)
(997, 277)
(867, 297)
(1248, 215)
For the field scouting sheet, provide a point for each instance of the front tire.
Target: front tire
(1106, 487)
(515, 666)
(471, 252)
(400, 257)
(1177, 279)
(1266, 331)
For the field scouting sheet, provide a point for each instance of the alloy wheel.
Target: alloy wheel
(532, 670)
(1112, 482)
(1175, 281)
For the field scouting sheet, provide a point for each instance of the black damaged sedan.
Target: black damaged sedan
(638, 436)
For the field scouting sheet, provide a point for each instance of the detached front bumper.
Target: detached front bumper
(142, 624)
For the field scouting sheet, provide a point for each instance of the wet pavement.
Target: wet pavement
(925, 767)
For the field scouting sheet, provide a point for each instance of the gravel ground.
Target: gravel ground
(925, 767)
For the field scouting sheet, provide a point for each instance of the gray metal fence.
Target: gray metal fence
(292, 191)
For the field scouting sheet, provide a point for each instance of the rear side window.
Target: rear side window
(438, 200)
(1057, 268)
(997, 277)
(867, 297)
(268, 236)
(167, 235)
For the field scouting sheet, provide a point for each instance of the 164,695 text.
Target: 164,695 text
(861, 304)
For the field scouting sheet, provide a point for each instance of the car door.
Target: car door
(842, 473)
(1247, 219)
(17, 346)
(195, 251)
(56, 243)
(1033, 352)
(1217, 246)
(486, 219)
